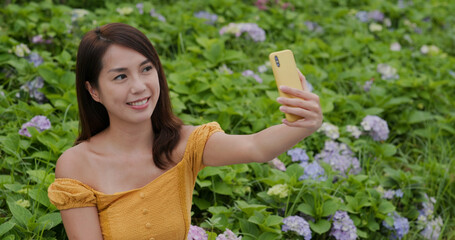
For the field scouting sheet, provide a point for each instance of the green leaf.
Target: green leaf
(320, 226)
(307, 209)
(5, 227)
(387, 149)
(40, 176)
(273, 220)
(40, 196)
(248, 227)
(48, 75)
(419, 116)
(386, 207)
(329, 207)
(21, 214)
(49, 220)
(269, 236)
(222, 188)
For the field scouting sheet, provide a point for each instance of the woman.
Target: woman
(133, 168)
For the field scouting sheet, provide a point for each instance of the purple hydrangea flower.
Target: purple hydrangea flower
(400, 226)
(343, 227)
(35, 58)
(340, 157)
(228, 235)
(38, 39)
(252, 29)
(197, 233)
(298, 154)
(41, 123)
(140, 8)
(210, 17)
(298, 225)
(154, 14)
(276, 163)
(250, 73)
(312, 171)
(313, 27)
(367, 85)
(32, 87)
(376, 16)
(376, 126)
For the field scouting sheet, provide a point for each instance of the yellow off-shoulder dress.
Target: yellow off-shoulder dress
(159, 210)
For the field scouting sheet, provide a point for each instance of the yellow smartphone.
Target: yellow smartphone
(285, 73)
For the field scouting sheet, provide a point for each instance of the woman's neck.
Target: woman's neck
(129, 138)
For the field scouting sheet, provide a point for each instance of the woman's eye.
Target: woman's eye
(146, 69)
(120, 77)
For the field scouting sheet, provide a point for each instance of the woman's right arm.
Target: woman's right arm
(80, 223)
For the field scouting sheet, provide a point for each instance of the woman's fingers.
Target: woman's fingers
(297, 102)
(303, 81)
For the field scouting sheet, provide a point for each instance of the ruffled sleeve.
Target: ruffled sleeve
(197, 142)
(66, 193)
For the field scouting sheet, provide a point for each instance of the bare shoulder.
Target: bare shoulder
(70, 163)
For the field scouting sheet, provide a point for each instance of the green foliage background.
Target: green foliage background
(418, 156)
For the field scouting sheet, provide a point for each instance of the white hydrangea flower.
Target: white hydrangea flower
(279, 190)
(395, 47)
(374, 27)
(329, 130)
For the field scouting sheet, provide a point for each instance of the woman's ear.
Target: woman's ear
(93, 92)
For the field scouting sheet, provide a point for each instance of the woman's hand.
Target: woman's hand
(305, 105)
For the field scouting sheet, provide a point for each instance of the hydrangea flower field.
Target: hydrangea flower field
(382, 166)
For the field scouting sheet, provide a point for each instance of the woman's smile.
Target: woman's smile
(139, 104)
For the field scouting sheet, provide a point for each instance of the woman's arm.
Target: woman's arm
(223, 149)
(82, 223)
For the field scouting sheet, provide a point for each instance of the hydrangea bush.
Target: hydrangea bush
(380, 167)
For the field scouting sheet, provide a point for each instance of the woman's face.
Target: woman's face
(128, 85)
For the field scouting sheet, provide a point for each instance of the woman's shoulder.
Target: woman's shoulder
(72, 161)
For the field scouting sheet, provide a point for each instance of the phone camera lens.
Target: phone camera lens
(277, 61)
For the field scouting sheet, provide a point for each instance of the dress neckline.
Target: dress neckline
(146, 185)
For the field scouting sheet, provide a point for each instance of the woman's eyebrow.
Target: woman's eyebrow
(124, 69)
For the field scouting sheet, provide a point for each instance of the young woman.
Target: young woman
(133, 168)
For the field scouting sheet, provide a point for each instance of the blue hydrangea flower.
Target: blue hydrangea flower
(399, 193)
(210, 17)
(298, 225)
(41, 123)
(312, 171)
(432, 229)
(362, 16)
(340, 158)
(400, 226)
(376, 126)
(343, 227)
(298, 154)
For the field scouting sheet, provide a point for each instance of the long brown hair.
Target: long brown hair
(93, 115)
